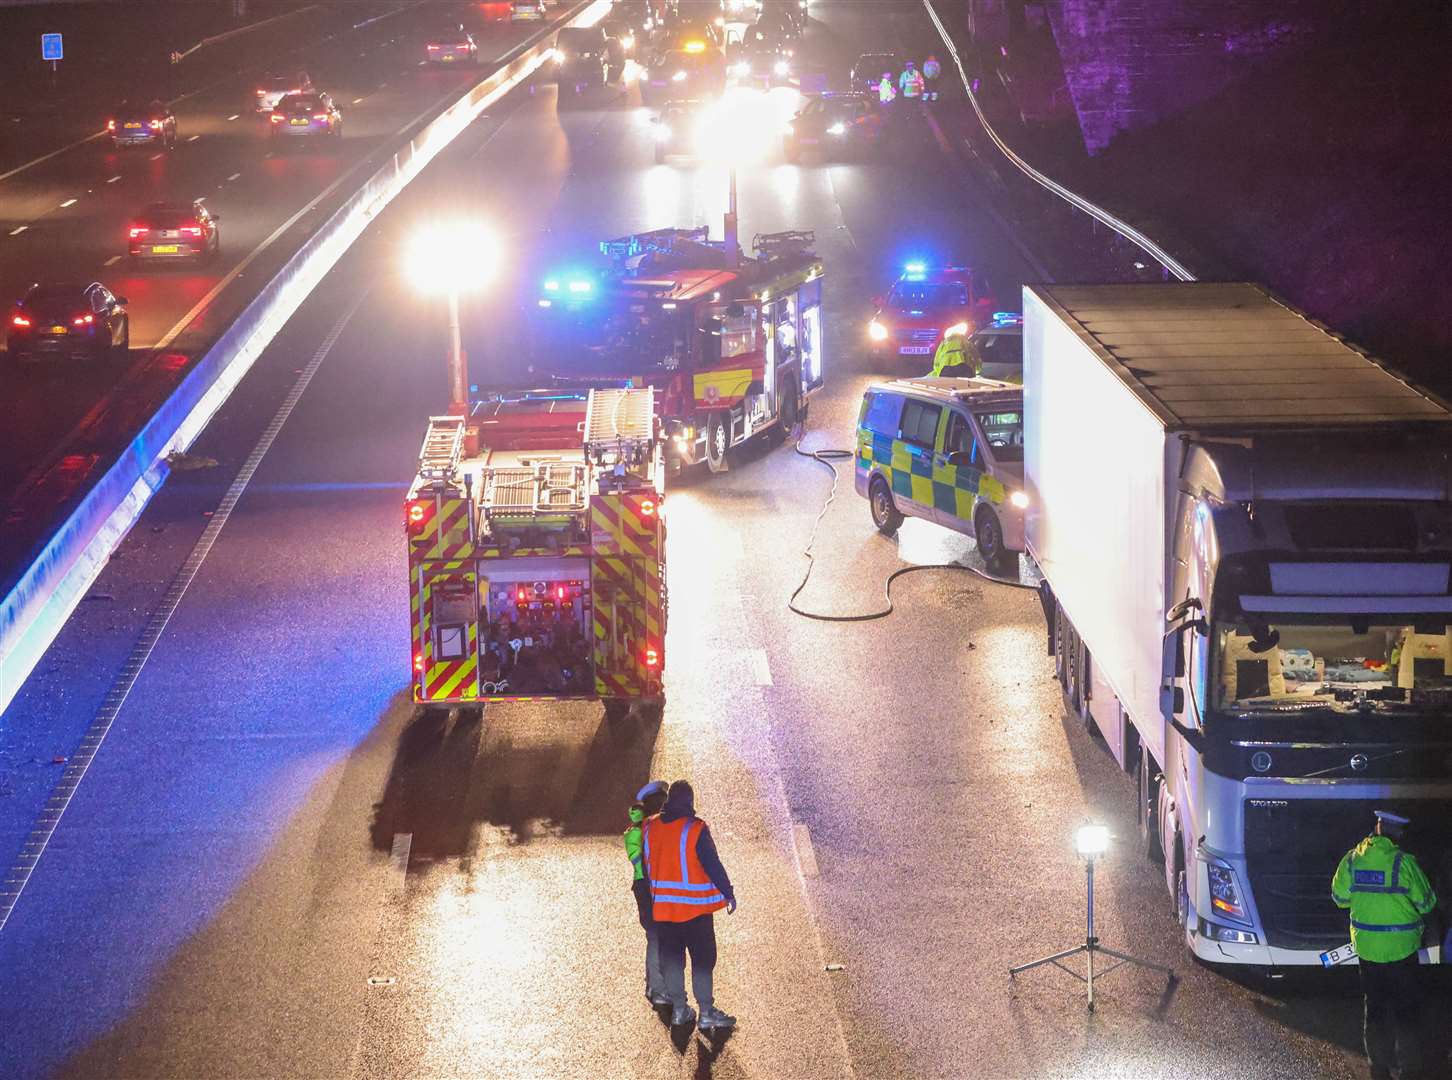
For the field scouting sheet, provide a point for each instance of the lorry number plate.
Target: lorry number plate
(1342, 954)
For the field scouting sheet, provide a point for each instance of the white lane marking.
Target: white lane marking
(194, 138)
(806, 854)
(111, 261)
(398, 862)
(114, 179)
(234, 176)
(69, 202)
(158, 157)
(357, 101)
(19, 230)
(80, 761)
(380, 87)
(234, 116)
(760, 668)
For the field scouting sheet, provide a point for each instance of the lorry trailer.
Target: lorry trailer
(1244, 527)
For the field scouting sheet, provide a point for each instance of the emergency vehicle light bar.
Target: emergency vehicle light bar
(657, 241)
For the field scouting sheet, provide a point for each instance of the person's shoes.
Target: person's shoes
(683, 1016)
(714, 1018)
(657, 997)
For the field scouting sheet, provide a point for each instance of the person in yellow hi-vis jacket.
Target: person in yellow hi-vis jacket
(648, 801)
(1388, 896)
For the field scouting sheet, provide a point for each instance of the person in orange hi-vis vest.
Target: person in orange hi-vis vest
(688, 885)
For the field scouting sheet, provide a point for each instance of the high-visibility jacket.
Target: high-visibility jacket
(911, 84)
(679, 885)
(950, 354)
(1388, 894)
(633, 840)
(885, 91)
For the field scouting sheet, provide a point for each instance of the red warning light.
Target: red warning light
(418, 662)
(652, 657)
(416, 512)
(647, 507)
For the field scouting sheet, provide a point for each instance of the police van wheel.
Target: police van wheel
(989, 534)
(885, 514)
(718, 442)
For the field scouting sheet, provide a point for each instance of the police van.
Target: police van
(948, 451)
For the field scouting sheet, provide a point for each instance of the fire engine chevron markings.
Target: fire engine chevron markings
(80, 761)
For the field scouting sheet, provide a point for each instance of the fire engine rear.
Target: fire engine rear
(536, 552)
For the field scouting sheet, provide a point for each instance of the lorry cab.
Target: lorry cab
(949, 451)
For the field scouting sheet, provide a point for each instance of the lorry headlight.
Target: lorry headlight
(1216, 932)
(876, 331)
(1019, 499)
(1224, 891)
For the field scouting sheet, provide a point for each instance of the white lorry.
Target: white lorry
(1245, 532)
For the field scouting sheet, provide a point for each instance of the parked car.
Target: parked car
(997, 349)
(174, 230)
(834, 125)
(923, 304)
(69, 320)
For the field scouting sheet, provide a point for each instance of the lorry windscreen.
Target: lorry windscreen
(586, 341)
(1278, 665)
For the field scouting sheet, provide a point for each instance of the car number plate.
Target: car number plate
(916, 350)
(299, 123)
(1342, 954)
(130, 126)
(58, 330)
(164, 249)
(448, 57)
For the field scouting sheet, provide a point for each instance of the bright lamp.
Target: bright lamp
(452, 257)
(1091, 840)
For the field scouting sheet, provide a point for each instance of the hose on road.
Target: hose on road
(825, 458)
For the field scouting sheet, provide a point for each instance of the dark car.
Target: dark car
(677, 130)
(306, 116)
(997, 349)
(868, 70)
(173, 230)
(834, 126)
(276, 85)
(679, 75)
(69, 319)
(623, 37)
(582, 57)
(762, 62)
(143, 124)
(451, 44)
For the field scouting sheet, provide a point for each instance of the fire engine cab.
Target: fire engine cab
(732, 344)
(536, 553)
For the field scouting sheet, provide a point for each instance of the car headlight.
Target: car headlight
(839, 128)
(1019, 499)
(876, 331)
(679, 76)
(1224, 891)
(628, 41)
(781, 67)
(956, 328)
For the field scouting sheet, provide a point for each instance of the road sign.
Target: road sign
(50, 47)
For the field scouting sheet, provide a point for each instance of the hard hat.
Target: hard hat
(1391, 817)
(655, 787)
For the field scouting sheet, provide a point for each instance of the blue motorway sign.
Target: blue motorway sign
(51, 48)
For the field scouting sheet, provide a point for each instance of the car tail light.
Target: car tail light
(20, 320)
(433, 48)
(276, 118)
(83, 320)
(139, 230)
(651, 656)
(192, 230)
(462, 45)
(320, 116)
(156, 125)
(110, 125)
(260, 91)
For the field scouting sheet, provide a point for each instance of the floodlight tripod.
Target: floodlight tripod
(1090, 947)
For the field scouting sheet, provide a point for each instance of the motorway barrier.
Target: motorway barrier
(1103, 216)
(35, 610)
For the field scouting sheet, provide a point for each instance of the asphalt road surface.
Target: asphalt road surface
(66, 218)
(274, 868)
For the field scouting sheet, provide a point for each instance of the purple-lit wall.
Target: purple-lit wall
(1130, 63)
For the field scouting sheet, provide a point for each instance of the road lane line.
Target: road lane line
(234, 116)
(806, 854)
(111, 260)
(79, 762)
(158, 157)
(194, 138)
(233, 177)
(69, 202)
(114, 179)
(760, 668)
(18, 230)
(398, 862)
(357, 101)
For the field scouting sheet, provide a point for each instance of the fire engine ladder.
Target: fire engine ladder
(620, 427)
(775, 245)
(657, 241)
(547, 495)
(443, 447)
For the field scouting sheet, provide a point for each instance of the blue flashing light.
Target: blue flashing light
(581, 286)
(552, 285)
(1007, 318)
(915, 268)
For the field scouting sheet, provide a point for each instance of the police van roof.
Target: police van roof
(973, 391)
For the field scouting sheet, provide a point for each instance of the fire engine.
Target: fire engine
(536, 552)
(732, 344)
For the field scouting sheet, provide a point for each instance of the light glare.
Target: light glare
(1092, 839)
(458, 257)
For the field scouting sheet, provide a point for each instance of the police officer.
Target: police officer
(932, 70)
(911, 81)
(687, 885)
(885, 89)
(1388, 896)
(951, 360)
(648, 801)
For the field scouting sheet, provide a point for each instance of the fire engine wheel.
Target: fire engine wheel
(616, 710)
(885, 514)
(718, 442)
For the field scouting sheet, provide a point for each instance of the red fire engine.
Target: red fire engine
(733, 345)
(536, 553)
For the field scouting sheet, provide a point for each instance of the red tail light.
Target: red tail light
(260, 91)
(560, 592)
(414, 517)
(20, 320)
(110, 125)
(418, 662)
(651, 656)
(647, 507)
(320, 116)
(192, 230)
(83, 320)
(139, 230)
(433, 48)
(521, 595)
(276, 118)
(156, 125)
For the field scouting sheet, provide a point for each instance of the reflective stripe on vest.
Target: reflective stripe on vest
(1389, 928)
(682, 894)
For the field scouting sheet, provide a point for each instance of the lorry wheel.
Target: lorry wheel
(885, 514)
(989, 534)
(1146, 809)
(718, 442)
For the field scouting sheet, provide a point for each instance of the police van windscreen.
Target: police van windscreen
(1004, 431)
(587, 341)
(928, 294)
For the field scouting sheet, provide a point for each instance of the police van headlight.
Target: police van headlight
(876, 331)
(1019, 500)
(1225, 891)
